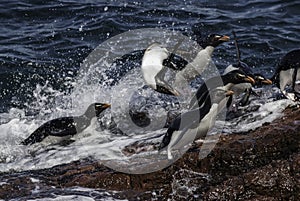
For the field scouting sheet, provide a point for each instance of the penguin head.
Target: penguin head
(214, 40)
(261, 80)
(95, 109)
(244, 67)
(237, 77)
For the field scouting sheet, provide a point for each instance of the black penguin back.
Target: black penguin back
(37, 136)
(288, 61)
(66, 126)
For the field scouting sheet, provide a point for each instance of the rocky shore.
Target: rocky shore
(259, 165)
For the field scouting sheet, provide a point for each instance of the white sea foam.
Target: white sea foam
(265, 110)
(74, 194)
(92, 142)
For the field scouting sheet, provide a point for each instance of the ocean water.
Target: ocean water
(45, 73)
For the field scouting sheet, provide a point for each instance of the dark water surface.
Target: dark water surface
(47, 40)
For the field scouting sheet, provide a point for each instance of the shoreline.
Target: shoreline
(262, 164)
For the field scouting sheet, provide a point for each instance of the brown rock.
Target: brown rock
(261, 165)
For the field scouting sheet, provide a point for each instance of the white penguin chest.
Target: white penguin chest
(152, 64)
(207, 122)
(286, 77)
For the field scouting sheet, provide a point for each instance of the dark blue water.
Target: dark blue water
(44, 40)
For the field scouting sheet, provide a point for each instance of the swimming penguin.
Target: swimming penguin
(288, 73)
(259, 78)
(245, 87)
(201, 61)
(154, 68)
(226, 81)
(195, 123)
(66, 126)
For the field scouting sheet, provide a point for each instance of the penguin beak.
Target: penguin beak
(229, 93)
(267, 82)
(167, 90)
(249, 79)
(224, 38)
(106, 105)
(174, 92)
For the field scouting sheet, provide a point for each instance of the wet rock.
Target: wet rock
(189, 185)
(274, 180)
(15, 186)
(260, 165)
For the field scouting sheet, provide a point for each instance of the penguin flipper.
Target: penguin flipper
(165, 141)
(200, 97)
(245, 100)
(41, 133)
(162, 86)
(168, 138)
(175, 62)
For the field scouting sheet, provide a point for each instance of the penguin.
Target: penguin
(288, 73)
(66, 126)
(201, 61)
(198, 121)
(157, 59)
(226, 81)
(259, 78)
(154, 68)
(245, 87)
